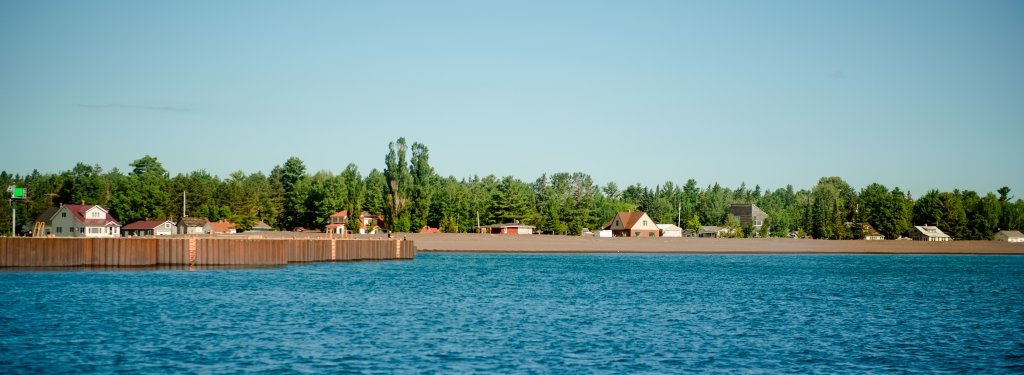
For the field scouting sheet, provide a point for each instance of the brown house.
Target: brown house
(633, 224)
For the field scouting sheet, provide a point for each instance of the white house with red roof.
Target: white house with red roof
(82, 220)
(149, 228)
(336, 223)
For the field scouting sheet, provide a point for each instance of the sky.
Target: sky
(912, 94)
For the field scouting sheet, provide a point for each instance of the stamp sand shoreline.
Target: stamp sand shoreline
(491, 243)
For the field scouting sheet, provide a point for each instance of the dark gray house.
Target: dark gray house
(748, 215)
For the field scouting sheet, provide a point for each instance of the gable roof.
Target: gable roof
(261, 225)
(145, 224)
(931, 231)
(342, 214)
(48, 214)
(628, 219)
(222, 226)
(1011, 233)
(671, 227)
(79, 211)
(193, 221)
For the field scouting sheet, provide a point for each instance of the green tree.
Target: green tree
(355, 190)
(143, 193)
(289, 177)
(513, 201)
(375, 192)
(424, 186)
(399, 181)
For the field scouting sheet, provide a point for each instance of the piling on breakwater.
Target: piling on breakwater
(193, 251)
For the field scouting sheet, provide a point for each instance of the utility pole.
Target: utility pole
(679, 214)
(184, 198)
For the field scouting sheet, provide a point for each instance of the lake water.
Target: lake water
(502, 313)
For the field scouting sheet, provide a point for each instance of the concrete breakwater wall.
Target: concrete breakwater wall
(132, 252)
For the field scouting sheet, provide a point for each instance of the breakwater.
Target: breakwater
(194, 251)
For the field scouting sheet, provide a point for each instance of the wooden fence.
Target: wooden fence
(192, 251)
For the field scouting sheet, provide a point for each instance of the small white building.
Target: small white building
(192, 225)
(670, 230)
(1009, 236)
(80, 220)
(929, 233)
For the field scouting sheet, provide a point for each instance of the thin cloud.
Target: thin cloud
(135, 107)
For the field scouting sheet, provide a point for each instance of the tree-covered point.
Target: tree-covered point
(409, 194)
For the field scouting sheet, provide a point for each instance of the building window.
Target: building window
(60, 230)
(63, 214)
(650, 234)
(636, 234)
(645, 223)
(81, 230)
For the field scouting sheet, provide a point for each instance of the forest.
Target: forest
(409, 194)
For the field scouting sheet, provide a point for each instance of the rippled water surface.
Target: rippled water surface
(489, 313)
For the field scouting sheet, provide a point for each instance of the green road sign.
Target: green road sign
(18, 193)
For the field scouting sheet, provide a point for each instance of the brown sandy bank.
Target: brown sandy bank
(445, 242)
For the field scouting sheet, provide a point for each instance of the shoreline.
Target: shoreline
(548, 244)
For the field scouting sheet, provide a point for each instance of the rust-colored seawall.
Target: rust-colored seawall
(132, 252)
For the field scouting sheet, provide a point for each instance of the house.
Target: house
(1008, 236)
(81, 220)
(748, 215)
(42, 227)
(928, 233)
(428, 229)
(149, 228)
(337, 221)
(633, 224)
(867, 232)
(509, 228)
(192, 225)
(220, 227)
(669, 230)
(713, 232)
(369, 223)
(260, 226)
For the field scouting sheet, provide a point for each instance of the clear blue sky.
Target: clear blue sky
(915, 94)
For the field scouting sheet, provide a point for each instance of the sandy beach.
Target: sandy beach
(446, 242)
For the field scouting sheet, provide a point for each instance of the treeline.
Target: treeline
(409, 194)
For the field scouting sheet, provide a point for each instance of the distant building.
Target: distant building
(508, 228)
(710, 232)
(260, 226)
(192, 225)
(369, 223)
(150, 228)
(867, 232)
(1009, 236)
(78, 220)
(669, 230)
(337, 221)
(748, 215)
(43, 227)
(220, 227)
(633, 224)
(428, 229)
(928, 233)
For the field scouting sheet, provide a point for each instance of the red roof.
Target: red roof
(144, 225)
(429, 230)
(342, 214)
(222, 226)
(628, 219)
(80, 209)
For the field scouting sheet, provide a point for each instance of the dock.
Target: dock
(195, 251)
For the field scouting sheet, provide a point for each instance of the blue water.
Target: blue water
(487, 313)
